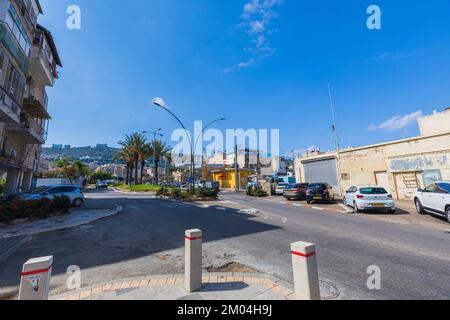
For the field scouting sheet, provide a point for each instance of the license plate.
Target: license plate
(317, 198)
(377, 204)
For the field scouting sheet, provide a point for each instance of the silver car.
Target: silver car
(74, 193)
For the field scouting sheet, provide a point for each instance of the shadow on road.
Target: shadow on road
(153, 226)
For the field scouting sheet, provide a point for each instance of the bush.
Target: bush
(42, 208)
(206, 193)
(257, 192)
(62, 204)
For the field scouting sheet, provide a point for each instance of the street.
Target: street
(147, 238)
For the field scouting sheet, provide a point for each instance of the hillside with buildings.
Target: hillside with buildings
(100, 154)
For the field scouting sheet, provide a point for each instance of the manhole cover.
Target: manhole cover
(328, 291)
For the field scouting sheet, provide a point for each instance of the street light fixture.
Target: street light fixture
(155, 133)
(159, 102)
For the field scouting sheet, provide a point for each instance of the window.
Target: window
(15, 84)
(431, 188)
(12, 20)
(444, 187)
(2, 58)
(56, 190)
(373, 191)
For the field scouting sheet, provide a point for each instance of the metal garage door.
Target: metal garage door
(324, 170)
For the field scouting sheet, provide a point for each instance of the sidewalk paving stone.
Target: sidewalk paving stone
(170, 287)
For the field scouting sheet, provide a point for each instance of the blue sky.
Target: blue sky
(262, 64)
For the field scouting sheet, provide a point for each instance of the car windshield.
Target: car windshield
(39, 190)
(316, 186)
(372, 191)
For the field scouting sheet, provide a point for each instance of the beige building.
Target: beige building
(28, 62)
(400, 166)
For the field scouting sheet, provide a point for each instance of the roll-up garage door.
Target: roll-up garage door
(324, 170)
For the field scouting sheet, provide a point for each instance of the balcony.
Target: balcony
(41, 68)
(29, 131)
(9, 110)
(10, 43)
(36, 104)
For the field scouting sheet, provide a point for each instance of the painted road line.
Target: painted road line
(134, 208)
(318, 208)
(347, 209)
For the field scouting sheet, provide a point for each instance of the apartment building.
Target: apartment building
(28, 64)
(252, 159)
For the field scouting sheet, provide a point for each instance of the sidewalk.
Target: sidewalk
(75, 218)
(216, 286)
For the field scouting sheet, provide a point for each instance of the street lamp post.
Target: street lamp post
(159, 102)
(155, 134)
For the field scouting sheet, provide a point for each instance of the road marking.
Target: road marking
(347, 209)
(318, 208)
(134, 208)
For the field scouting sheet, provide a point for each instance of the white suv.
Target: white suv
(434, 199)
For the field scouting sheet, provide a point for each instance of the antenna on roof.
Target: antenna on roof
(336, 137)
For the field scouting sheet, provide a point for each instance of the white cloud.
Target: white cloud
(241, 65)
(256, 20)
(256, 27)
(397, 123)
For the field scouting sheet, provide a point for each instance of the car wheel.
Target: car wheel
(448, 214)
(355, 206)
(77, 202)
(308, 201)
(419, 207)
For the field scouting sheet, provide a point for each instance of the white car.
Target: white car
(280, 188)
(434, 199)
(364, 198)
(74, 193)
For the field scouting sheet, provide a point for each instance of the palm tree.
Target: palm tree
(160, 150)
(134, 146)
(125, 156)
(145, 153)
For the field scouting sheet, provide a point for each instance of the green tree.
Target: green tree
(71, 170)
(102, 176)
(134, 146)
(162, 150)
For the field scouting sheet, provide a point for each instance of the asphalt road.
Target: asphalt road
(147, 238)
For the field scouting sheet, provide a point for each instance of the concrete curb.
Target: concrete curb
(109, 213)
(133, 192)
(277, 286)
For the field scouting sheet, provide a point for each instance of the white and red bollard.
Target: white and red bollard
(193, 260)
(35, 279)
(306, 276)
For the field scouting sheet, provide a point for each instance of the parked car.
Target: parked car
(101, 184)
(74, 193)
(319, 192)
(365, 198)
(185, 187)
(279, 189)
(296, 191)
(434, 199)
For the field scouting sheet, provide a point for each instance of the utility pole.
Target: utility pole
(336, 140)
(236, 168)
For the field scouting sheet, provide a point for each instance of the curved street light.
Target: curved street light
(159, 102)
